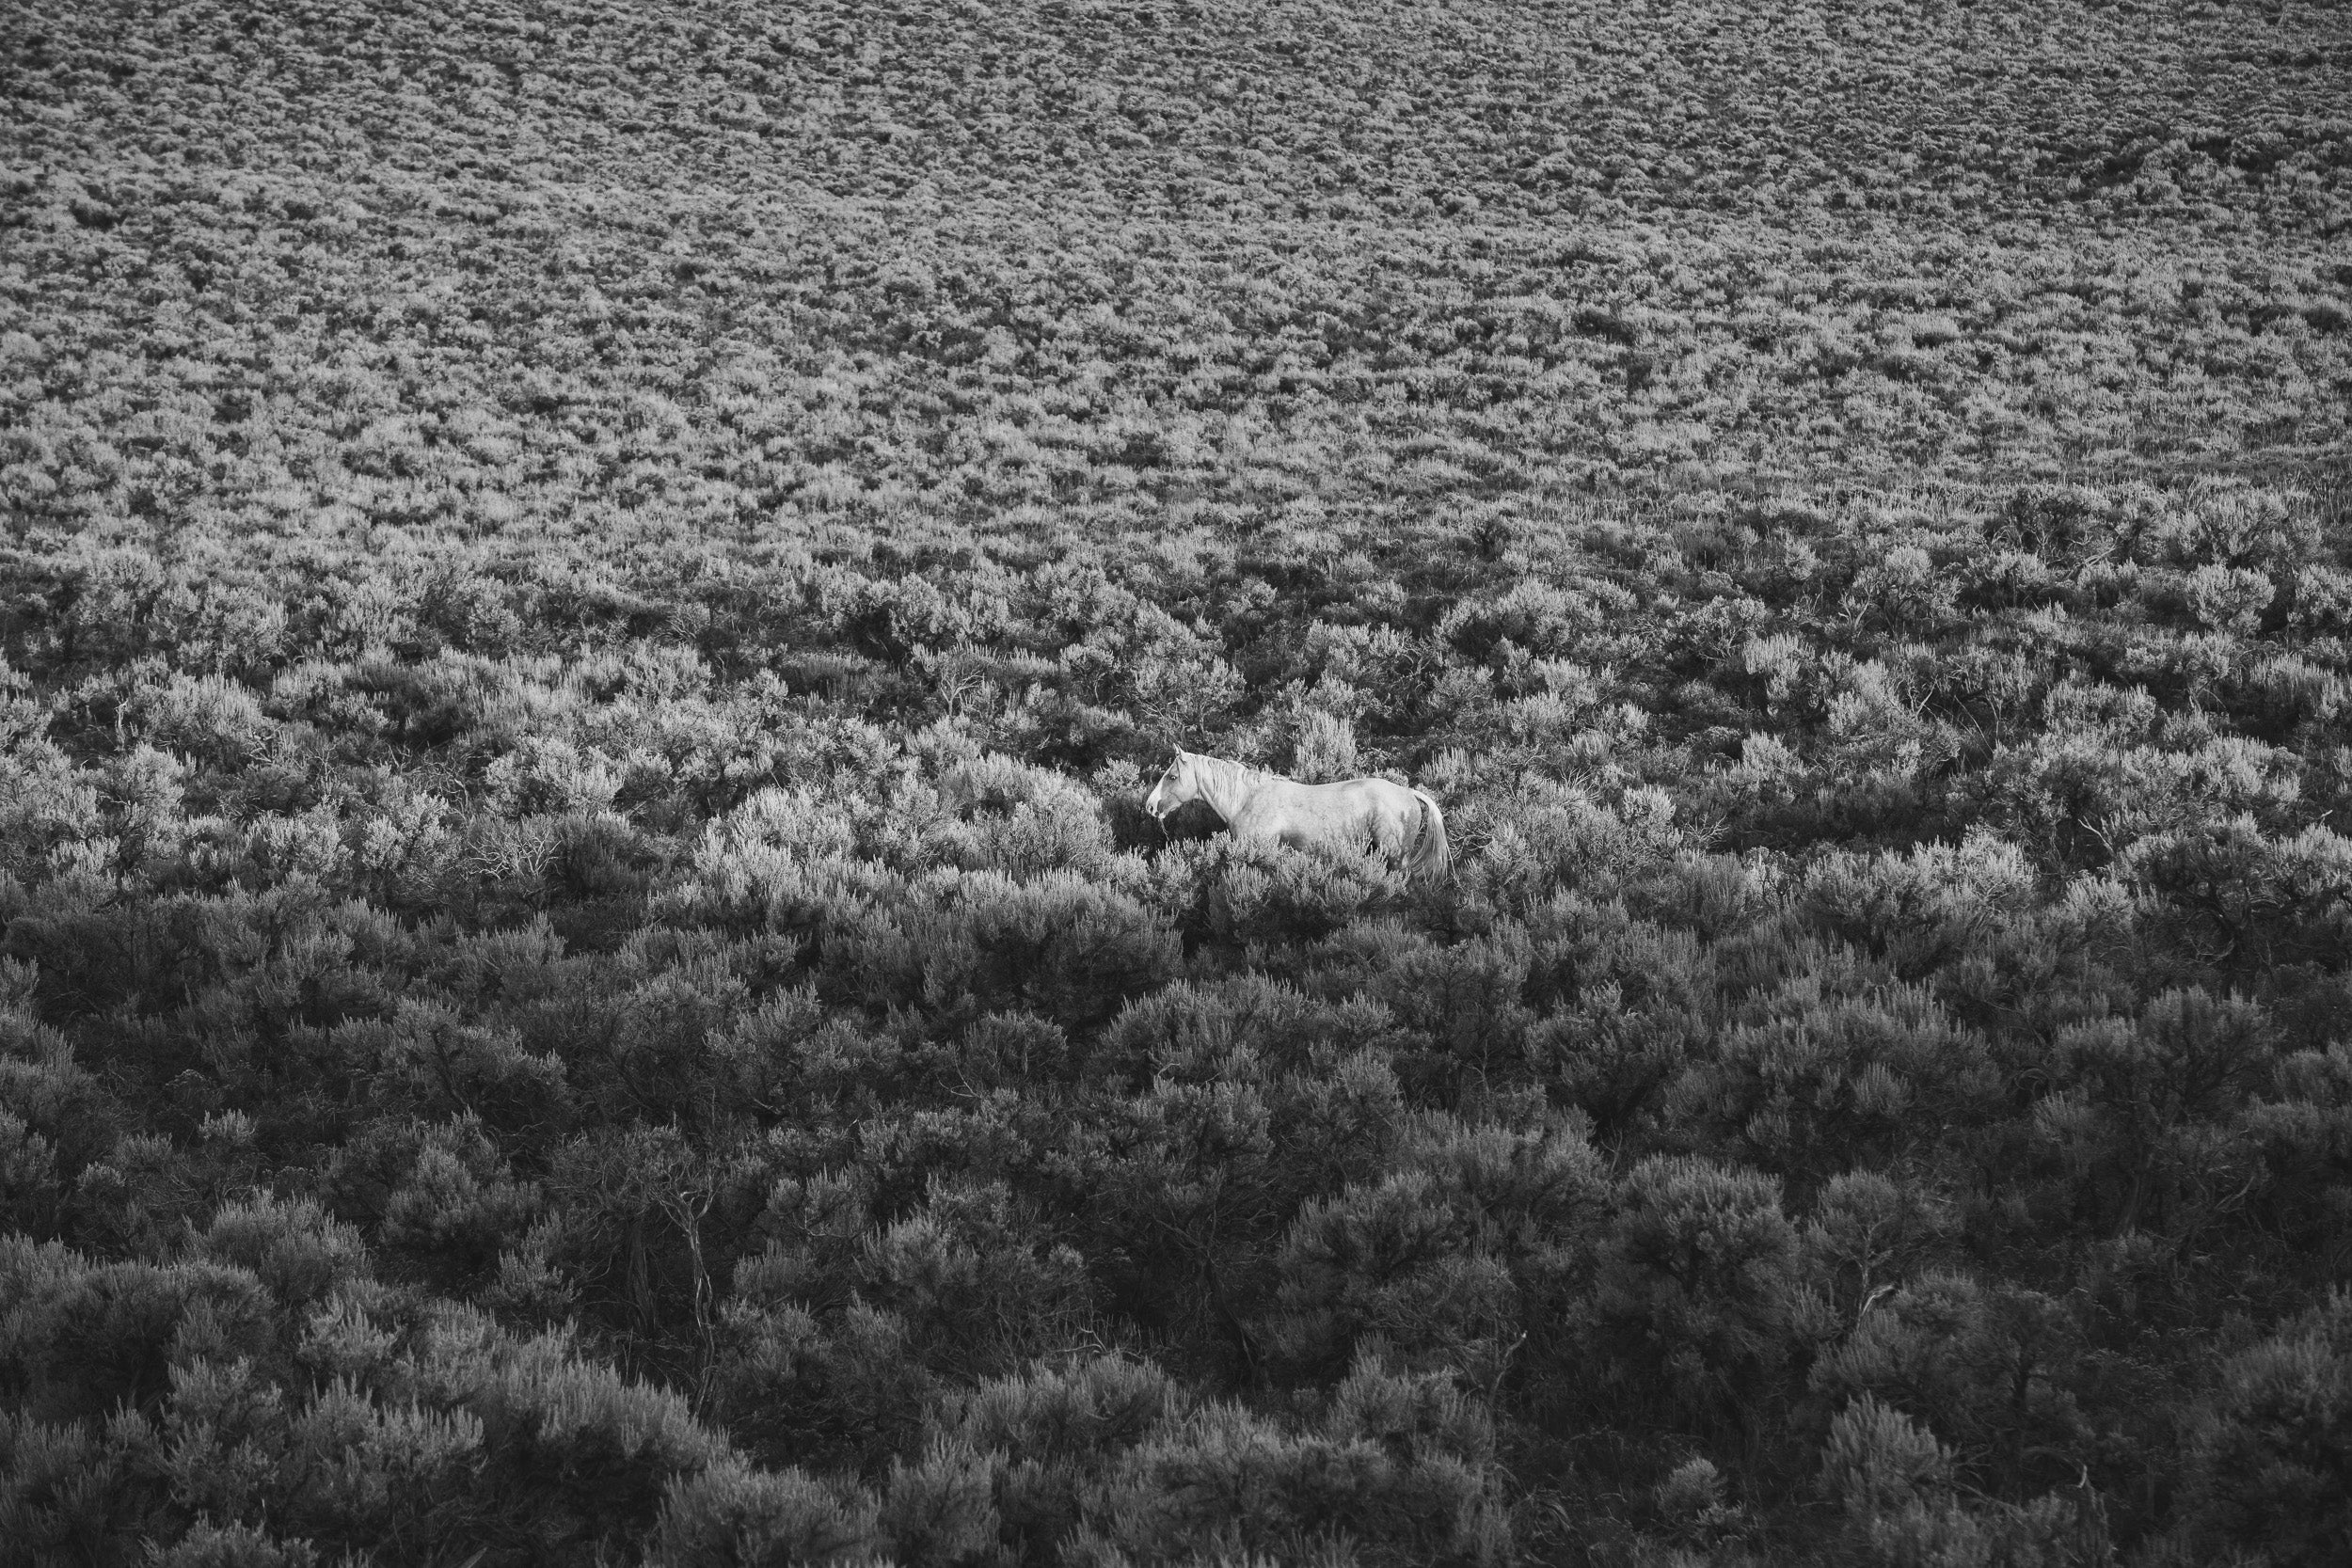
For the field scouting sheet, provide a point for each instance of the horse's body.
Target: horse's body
(1366, 813)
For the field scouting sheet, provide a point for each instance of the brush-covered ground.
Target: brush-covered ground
(512, 1054)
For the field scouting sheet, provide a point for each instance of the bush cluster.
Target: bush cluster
(589, 595)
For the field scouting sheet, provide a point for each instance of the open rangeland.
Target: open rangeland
(591, 595)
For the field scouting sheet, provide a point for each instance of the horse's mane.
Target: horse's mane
(1228, 769)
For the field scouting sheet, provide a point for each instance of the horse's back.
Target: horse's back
(1365, 789)
(1371, 813)
(1353, 808)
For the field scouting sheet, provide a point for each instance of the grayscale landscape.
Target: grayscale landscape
(592, 596)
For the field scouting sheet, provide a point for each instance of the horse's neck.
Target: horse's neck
(1226, 785)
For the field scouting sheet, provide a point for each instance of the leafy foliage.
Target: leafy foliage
(589, 595)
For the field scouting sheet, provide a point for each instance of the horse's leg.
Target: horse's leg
(1271, 824)
(1281, 827)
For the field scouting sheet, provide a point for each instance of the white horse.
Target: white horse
(1260, 805)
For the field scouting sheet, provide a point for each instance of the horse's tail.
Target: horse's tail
(1430, 855)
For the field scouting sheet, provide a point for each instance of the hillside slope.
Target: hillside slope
(979, 258)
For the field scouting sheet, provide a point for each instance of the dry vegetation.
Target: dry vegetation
(510, 516)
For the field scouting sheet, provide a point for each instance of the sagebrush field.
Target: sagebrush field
(514, 1052)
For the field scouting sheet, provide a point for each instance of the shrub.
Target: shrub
(576, 1458)
(86, 1339)
(1987, 1369)
(1395, 1470)
(1049, 1433)
(1244, 895)
(1812, 1081)
(1466, 1249)
(1059, 947)
(2275, 1440)
(1699, 1284)
(733, 1516)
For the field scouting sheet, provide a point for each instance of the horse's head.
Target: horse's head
(1178, 784)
